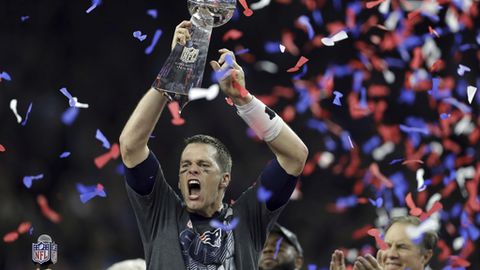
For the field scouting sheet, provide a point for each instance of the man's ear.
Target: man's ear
(426, 256)
(225, 181)
(298, 262)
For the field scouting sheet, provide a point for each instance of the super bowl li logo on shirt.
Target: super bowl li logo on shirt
(189, 55)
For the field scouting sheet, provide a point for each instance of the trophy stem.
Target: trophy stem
(185, 65)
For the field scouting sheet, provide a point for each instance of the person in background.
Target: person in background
(402, 253)
(282, 251)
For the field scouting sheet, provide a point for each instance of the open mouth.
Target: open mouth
(193, 189)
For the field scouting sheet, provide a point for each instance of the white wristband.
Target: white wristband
(263, 120)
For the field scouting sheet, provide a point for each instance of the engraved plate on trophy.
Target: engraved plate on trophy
(185, 65)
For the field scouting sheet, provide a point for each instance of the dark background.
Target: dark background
(97, 59)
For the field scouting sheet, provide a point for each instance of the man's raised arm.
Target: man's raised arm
(288, 148)
(140, 125)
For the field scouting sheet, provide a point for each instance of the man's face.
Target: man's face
(285, 255)
(402, 253)
(200, 179)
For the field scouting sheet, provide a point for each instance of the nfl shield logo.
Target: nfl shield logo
(40, 252)
(189, 55)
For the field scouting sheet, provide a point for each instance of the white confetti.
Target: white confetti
(13, 107)
(414, 232)
(282, 48)
(330, 41)
(420, 181)
(267, 66)
(260, 4)
(199, 93)
(471, 90)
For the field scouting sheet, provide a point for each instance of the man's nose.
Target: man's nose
(194, 169)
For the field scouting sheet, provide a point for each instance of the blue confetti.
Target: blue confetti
(156, 37)
(30, 232)
(346, 142)
(408, 129)
(27, 180)
(445, 115)
(461, 106)
(312, 267)
(336, 100)
(272, 46)
(407, 97)
(240, 52)
(224, 227)
(377, 202)
(99, 136)
(357, 81)
(138, 35)
(344, 202)
(4, 75)
(318, 125)
(401, 186)
(330, 144)
(65, 154)
(317, 17)
(371, 144)
(277, 247)
(303, 101)
(28, 113)
(305, 21)
(69, 116)
(396, 161)
(152, 13)
(24, 18)
(394, 62)
(363, 98)
(263, 194)
(89, 192)
(95, 3)
(462, 69)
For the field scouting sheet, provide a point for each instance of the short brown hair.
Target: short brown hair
(430, 238)
(223, 157)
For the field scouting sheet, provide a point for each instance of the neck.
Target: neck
(208, 213)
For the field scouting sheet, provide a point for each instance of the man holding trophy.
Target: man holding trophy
(199, 231)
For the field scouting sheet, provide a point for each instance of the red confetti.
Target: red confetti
(102, 160)
(414, 210)
(299, 64)
(362, 232)
(2, 148)
(472, 188)
(247, 12)
(24, 227)
(456, 261)
(10, 237)
(378, 239)
(288, 113)
(237, 85)
(174, 108)
(47, 211)
(445, 250)
(436, 207)
(373, 4)
(232, 34)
